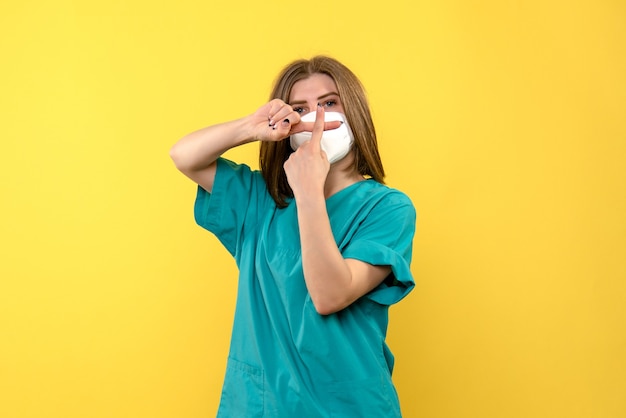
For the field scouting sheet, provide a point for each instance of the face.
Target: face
(318, 88)
(305, 95)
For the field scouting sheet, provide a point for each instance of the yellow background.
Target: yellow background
(502, 120)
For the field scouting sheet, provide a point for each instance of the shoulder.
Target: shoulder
(380, 194)
(372, 204)
(226, 165)
(232, 175)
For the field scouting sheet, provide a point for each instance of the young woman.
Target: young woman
(322, 245)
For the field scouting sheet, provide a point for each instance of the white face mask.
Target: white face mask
(336, 143)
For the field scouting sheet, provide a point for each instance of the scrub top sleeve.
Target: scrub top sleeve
(232, 206)
(386, 238)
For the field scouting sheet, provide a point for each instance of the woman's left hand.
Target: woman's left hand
(307, 167)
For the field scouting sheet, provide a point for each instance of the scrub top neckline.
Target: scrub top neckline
(347, 188)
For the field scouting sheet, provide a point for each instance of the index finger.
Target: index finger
(308, 126)
(318, 129)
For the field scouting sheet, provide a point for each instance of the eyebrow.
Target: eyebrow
(323, 96)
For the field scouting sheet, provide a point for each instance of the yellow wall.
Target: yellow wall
(504, 122)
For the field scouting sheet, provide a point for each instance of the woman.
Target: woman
(322, 249)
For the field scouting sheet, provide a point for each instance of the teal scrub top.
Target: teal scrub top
(285, 359)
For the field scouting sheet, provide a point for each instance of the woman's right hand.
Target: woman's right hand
(276, 120)
(273, 121)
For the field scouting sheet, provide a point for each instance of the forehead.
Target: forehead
(311, 88)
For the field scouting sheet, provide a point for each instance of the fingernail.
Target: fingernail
(286, 121)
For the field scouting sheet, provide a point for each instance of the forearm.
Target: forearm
(198, 150)
(327, 275)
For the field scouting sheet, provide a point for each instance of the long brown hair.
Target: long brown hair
(273, 154)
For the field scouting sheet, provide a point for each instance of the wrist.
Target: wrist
(246, 129)
(310, 200)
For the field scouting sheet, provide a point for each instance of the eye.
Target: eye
(298, 109)
(330, 103)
